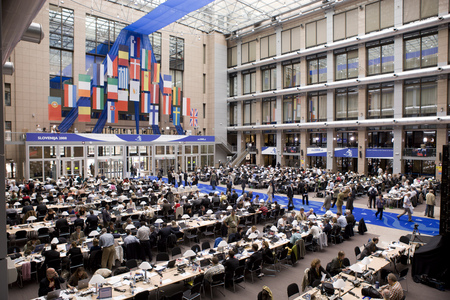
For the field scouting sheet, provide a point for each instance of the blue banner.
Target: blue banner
(346, 152)
(269, 150)
(379, 153)
(316, 152)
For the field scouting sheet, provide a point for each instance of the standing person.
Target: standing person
(372, 192)
(106, 241)
(243, 183)
(327, 201)
(269, 193)
(431, 202)
(304, 191)
(290, 195)
(106, 217)
(407, 207)
(380, 206)
(143, 234)
(351, 198)
(340, 201)
(231, 222)
(229, 185)
(213, 180)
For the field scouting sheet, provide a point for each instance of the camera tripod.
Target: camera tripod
(415, 236)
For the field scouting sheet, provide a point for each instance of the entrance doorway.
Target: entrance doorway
(164, 164)
(110, 168)
(72, 167)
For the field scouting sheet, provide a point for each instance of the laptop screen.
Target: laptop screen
(104, 293)
(82, 284)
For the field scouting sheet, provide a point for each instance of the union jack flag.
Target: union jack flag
(194, 115)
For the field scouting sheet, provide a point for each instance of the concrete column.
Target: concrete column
(441, 140)
(331, 145)
(362, 61)
(398, 13)
(240, 115)
(398, 99)
(304, 71)
(362, 103)
(398, 150)
(279, 147)
(257, 114)
(239, 142)
(258, 79)
(304, 144)
(443, 45)
(239, 51)
(329, 15)
(259, 145)
(362, 145)
(278, 30)
(398, 53)
(442, 95)
(330, 66)
(330, 106)
(443, 7)
(304, 108)
(239, 84)
(278, 111)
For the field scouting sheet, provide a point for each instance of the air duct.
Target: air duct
(8, 68)
(34, 33)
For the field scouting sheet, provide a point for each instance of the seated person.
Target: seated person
(341, 220)
(215, 269)
(51, 282)
(393, 290)
(95, 246)
(349, 216)
(51, 254)
(282, 223)
(315, 273)
(74, 250)
(230, 265)
(78, 235)
(326, 226)
(79, 274)
(252, 230)
(370, 248)
(267, 253)
(30, 245)
(253, 258)
(130, 239)
(301, 215)
(295, 237)
(337, 264)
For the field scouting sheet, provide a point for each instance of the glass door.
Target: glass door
(191, 163)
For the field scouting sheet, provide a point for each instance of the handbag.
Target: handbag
(371, 292)
(327, 289)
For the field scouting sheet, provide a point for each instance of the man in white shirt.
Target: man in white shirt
(341, 220)
(130, 238)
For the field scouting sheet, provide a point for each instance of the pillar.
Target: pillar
(362, 145)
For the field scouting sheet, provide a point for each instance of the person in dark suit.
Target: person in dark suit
(61, 223)
(51, 254)
(243, 184)
(27, 208)
(230, 265)
(370, 248)
(267, 253)
(78, 222)
(206, 202)
(290, 195)
(254, 257)
(41, 209)
(51, 282)
(91, 221)
(165, 207)
(165, 232)
(74, 250)
(315, 273)
(106, 217)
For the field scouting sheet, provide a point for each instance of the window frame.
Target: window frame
(419, 35)
(346, 91)
(252, 73)
(291, 32)
(346, 36)
(317, 58)
(317, 94)
(420, 81)
(232, 88)
(272, 114)
(292, 63)
(315, 34)
(7, 92)
(268, 37)
(346, 52)
(249, 53)
(379, 44)
(380, 87)
(272, 71)
(294, 100)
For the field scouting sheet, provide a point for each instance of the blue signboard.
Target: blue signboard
(269, 150)
(346, 152)
(379, 153)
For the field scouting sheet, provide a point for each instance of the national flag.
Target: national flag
(154, 94)
(112, 88)
(122, 103)
(70, 95)
(84, 85)
(145, 77)
(123, 78)
(135, 69)
(135, 46)
(156, 69)
(98, 98)
(113, 114)
(110, 65)
(176, 116)
(134, 90)
(123, 55)
(146, 59)
(98, 75)
(186, 106)
(194, 118)
(84, 110)
(176, 96)
(153, 114)
(54, 109)
(167, 84)
(145, 103)
(166, 104)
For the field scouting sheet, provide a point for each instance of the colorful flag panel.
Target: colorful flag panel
(155, 94)
(154, 114)
(84, 85)
(167, 84)
(135, 46)
(134, 90)
(176, 116)
(194, 118)
(135, 69)
(186, 106)
(176, 95)
(54, 109)
(166, 104)
(84, 113)
(113, 114)
(145, 102)
(145, 85)
(112, 88)
(123, 78)
(123, 55)
(70, 95)
(98, 98)
(156, 69)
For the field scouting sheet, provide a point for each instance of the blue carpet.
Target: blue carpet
(426, 225)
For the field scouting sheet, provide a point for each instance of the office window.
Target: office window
(291, 73)
(61, 48)
(346, 61)
(248, 52)
(232, 114)
(249, 81)
(232, 57)
(268, 46)
(290, 40)
(269, 106)
(176, 60)
(291, 109)
(204, 54)
(204, 110)
(232, 84)
(317, 106)
(269, 77)
(380, 100)
(420, 97)
(345, 24)
(7, 94)
(421, 49)
(347, 139)
(155, 41)
(318, 139)
(414, 10)
(380, 57)
(316, 33)
(204, 83)
(249, 113)
(379, 15)
(347, 104)
(8, 130)
(317, 68)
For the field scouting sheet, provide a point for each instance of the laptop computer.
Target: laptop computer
(53, 295)
(182, 225)
(38, 248)
(82, 284)
(90, 244)
(68, 246)
(104, 293)
(171, 264)
(205, 262)
(129, 210)
(220, 256)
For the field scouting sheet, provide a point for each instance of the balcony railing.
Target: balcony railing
(15, 137)
(420, 152)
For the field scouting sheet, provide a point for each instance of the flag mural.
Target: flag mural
(122, 103)
(145, 86)
(98, 75)
(146, 59)
(186, 106)
(135, 69)
(176, 116)
(135, 46)
(176, 96)
(84, 85)
(154, 94)
(167, 84)
(123, 78)
(113, 115)
(154, 114)
(123, 56)
(98, 98)
(84, 110)
(112, 88)
(70, 95)
(193, 118)
(156, 70)
(145, 102)
(166, 104)
(54, 109)
(134, 90)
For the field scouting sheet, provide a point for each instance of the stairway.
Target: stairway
(239, 158)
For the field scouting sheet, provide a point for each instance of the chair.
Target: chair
(191, 234)
(55, 264)
(64, 232)
(403, 275)
(131, 264)
(43, 234)
(200, 279)
(162, 256)
(309, 242)
(283, 256)
(142, 295)
(95, 260)
(357, 252)
(256, 268)
(196, 248)
(206, 245)
(292, 289)
(209, 231)
(176, 296)
(12, 250)
(20, 236)
(76, 261)
(217, 280)
(238, 277)
(193, 292)
(176, 251)
(12, 271)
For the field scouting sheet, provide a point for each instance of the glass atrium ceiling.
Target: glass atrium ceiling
(231, 16)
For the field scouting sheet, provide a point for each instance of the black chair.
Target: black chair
(357, 252)
(309, 242)
(176, 296)
(238, 277)
(256, 268)
(196, 248)
(403, 275)
(176, 251)
(55, 264)
(217, 280)
(95, 260)
(200, 279)
(43, 234)
(206, 245)
(14, 249)
(64, 232)
(193, 292)
(162, 256)
(191, 235)
(209, 231)
(292, 289)
(131, 264)
(76, 261)
(20, 236)
(142, 295)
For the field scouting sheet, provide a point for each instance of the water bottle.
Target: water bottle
(160, 280)
(377, 285)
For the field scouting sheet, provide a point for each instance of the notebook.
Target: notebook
(38, 248)
(104, 293)
(171, 264)
(82, 284)
(53, 295)
(205, 263)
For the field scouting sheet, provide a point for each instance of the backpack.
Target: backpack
(373, 192)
